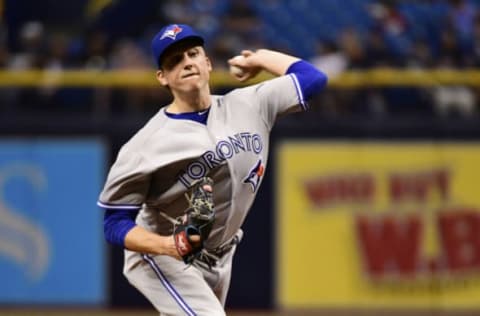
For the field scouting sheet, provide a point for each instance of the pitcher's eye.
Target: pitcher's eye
(172, 61)
(193, 52)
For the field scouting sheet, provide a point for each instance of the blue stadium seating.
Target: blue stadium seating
(299, 24)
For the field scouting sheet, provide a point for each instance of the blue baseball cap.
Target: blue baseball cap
(172, 34)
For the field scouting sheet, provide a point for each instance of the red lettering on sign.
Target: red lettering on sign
(390, 244)
(460, 232)
(347, 188)
(417, 186)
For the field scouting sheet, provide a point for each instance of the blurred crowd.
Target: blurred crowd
(336, 36)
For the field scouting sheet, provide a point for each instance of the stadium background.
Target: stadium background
(370, 202)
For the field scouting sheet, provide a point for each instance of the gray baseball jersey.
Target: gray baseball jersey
(158, 165)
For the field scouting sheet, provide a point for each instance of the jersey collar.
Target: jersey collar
(198, 116)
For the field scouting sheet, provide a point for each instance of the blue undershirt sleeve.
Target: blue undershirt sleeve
(117, 223)
(310, 79)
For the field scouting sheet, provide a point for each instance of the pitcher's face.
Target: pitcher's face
(185, 68)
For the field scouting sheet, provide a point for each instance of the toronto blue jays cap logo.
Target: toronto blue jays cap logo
(170, 35)
(171, 32)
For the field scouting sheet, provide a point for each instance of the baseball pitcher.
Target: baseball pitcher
(181, 187)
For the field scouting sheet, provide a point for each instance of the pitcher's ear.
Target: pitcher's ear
(209, 64)
(161, 78)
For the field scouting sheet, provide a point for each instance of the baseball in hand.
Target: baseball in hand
(237, 71)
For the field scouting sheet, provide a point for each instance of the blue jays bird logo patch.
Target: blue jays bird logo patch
(171, 32)
(255, 175)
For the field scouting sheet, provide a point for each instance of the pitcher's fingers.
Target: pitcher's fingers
(194, 238)
(247, 53)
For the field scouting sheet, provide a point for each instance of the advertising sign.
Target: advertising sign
(378, 224)
(51, 242)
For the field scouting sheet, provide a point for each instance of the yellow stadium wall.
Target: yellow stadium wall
(378, 225)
